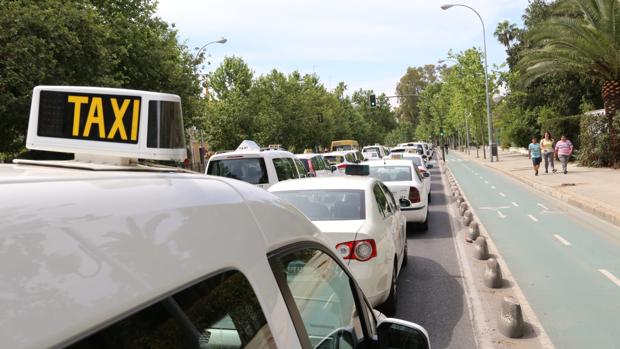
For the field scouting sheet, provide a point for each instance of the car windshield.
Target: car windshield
(416, 160)
(391, 173)
(334, 159)
(327, 205)
(251, 170)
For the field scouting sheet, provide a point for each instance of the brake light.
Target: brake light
(422, 171)
(342, 166)
(414, 194)
(361, 250)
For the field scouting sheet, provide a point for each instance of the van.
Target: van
(344, 145)
(106, 251)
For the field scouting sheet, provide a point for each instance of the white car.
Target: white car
(255, 165)
(317, 166)
(105, 252)
(422, 165)
(341, 159)
(407, 185)
(360, 218)
(379, 149)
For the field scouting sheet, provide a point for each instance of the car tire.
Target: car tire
(389, 306)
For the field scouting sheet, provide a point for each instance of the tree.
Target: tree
(410, 86)
(506, 32)
(112, 43)
(581, 36)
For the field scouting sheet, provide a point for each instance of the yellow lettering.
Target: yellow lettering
(134, 120)
(78, 100)
(95, 116)
(118, 119)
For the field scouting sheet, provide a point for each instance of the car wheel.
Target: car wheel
(389, 306)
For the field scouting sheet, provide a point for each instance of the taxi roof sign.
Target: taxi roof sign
(109, 122)
(248, 145)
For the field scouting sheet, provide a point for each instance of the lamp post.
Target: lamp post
(222, 40)
(486, 76)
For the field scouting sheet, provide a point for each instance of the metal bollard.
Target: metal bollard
(510, 322)
(492, 274)
(481, 251)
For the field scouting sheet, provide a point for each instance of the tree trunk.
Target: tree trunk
(611, 101)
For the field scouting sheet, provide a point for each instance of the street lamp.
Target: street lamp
(222, 40)
(486, 76)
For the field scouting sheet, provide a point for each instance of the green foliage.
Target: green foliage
(404, 132)
(564, 125)
(594, 141)
(113, 43)
(410, 86)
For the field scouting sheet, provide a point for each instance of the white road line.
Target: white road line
(543, 206)
(481, 177)
(514, 204)
(533, 218)
(610, 276)
(329, 301)
(500, 214)
(492, 187)
(502, 194)
(486, 182)
(561, 239)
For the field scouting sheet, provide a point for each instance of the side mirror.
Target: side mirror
(404, 203)
(424, 157)
(400, 334)
(333, 168)
(426, 174)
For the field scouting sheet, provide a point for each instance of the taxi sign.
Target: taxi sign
(248, 146)
(106, 121)
(357, 170)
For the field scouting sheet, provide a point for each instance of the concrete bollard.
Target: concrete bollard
(459, 200)
(492, 274)
(474, 232)
(462, 208)
(468, 217)
(510, 322)
(481, 251)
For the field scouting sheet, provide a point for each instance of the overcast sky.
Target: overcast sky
(366, 44)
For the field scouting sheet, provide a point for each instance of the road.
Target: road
(566, 262)
(430, 289)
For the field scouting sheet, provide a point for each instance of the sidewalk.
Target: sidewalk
(594, 190)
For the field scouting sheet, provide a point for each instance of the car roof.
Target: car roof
(336, 182)
(307, 155)
(81, 246)
(384, 163)
(269, 153)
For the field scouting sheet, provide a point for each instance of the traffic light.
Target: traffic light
(373, 101)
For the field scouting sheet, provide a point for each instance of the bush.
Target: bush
(594, 140)
(566, 125)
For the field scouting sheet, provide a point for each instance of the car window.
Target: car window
(323, 294)
(251, 170)
(220, 312)
(315, 163)
(391, 173)
(305, 162)
(300, 168)
(390, 197)
(418, 173)
(285, 168)
(349, 157)
(320, 162)
(327, 205)
(334, 159)
(382, 202)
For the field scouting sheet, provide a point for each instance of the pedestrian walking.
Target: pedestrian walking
(534, 153)
(548, 152)
(563, 150)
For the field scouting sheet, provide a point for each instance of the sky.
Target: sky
(365, 44)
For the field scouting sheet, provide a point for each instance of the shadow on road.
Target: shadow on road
(439, 310)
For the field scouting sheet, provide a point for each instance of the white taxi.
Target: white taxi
(360, 218)
(406, 183)
(255, 165)
(105, 252)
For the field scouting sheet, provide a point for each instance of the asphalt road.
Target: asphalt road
(430, 289)
(566, 262)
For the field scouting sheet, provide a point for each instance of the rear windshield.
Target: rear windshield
(327, 205)
(251, 170)
(334, 159)
(391, 173)
(400, 150)
(416, 160)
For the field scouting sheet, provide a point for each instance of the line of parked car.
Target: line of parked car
(361, 201)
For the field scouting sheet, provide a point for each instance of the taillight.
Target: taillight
(361, 250)
(422, 171)
(342, 166)
(414, 194)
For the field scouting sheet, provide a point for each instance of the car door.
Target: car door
(326, 305)
(399, 224)
(389, 223)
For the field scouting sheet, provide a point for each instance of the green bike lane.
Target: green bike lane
(566, 263)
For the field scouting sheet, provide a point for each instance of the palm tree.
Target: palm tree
(506, 32)
(581, 36)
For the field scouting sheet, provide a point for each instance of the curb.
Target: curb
(603, 212)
